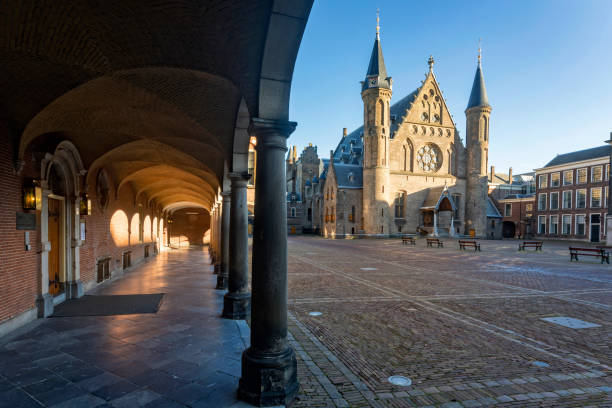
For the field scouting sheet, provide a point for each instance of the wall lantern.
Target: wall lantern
(29, 194)
(85, 205)
(170, 220)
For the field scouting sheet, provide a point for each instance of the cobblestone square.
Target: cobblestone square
(465, 327)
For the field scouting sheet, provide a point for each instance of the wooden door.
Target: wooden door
(54, 240)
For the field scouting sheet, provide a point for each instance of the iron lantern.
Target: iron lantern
(29, 194)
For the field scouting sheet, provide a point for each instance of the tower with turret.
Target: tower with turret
(376, 96)
(477, 115)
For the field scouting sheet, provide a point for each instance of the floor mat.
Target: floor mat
(109, 305)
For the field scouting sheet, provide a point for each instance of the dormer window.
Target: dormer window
(351, 177)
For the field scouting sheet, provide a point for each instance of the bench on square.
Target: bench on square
(531, 244)
(463, 244)
(408, 239)
(432, 241)
(598, 252)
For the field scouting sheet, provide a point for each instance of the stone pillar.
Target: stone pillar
(237, 301)
(224, 240)
(435, 229)
(608, 216)
(213, 237)
(218, 248)
(269, 367)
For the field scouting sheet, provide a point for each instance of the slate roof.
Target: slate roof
(478, 97)
(348, 175)
(433, 196)
(492, 211)
(377, 68)
(580, 155)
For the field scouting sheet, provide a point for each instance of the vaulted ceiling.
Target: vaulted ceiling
(155, 93)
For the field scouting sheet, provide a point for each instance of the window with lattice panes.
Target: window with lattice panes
(581, 198)
(555, 179)
(399, 204)
(596, 174)
(581, 176)
(554, 200)
(567, 199)
(543, 180)
(568, 177)
(554, 224)
(567, 224)
(542, 202)
(596, 197)
(580, 224)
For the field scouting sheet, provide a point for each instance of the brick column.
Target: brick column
(269, 367)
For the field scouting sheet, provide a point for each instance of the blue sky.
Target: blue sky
(547, 67)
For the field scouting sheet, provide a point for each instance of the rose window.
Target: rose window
(429, 158)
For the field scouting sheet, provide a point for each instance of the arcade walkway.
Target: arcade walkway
(184, 355)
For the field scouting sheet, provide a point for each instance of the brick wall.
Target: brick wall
(18, 267)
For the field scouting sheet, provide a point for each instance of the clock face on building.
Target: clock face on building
(429, 158)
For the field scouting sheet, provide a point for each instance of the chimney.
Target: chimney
(492, 173)
(344, 132)
(510, 175)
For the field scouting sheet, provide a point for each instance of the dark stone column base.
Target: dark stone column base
(268, 379)
(44, 305)
(236, 306)
(216, 268)
(75, 289)
(221, 282)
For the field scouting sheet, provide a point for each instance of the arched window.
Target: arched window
(450, 163)
(404, 158)
(381, 106)
(486, 128)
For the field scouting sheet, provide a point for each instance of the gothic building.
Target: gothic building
(302, 174)
(406, 169)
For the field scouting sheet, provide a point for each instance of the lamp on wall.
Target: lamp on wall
(85, 205)
(29, 194)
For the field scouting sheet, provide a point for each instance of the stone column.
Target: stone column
(269, 367)
(218, 248)
(608, 216)
(237, 301)
(435, 230)
(213, 232)
(224, 241)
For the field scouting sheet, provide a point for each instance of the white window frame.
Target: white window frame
(563, 224)
(600, 224)
(555, 223)
(551, 179)
(576, 225)
(569, 194)
(543, 179)
(607, 173)
(551, 201)
(592, 173)
(541, 217)
(586, 175)
(506, 210)
(600, 197)
(565, 183)
(585, 197)
(545, 201)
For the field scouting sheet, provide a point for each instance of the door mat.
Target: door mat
(109, 305)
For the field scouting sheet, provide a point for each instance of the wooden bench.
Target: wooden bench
(598, 252)
(531, 244)
(407, 239)
(432, 241)
(469, 243)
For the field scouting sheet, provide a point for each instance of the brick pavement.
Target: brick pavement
(465, 327)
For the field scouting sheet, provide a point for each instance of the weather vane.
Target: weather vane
(479, 49)
(377, 22)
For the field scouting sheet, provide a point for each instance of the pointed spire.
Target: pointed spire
(431, 61)
(478, 97)
(376, 77)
